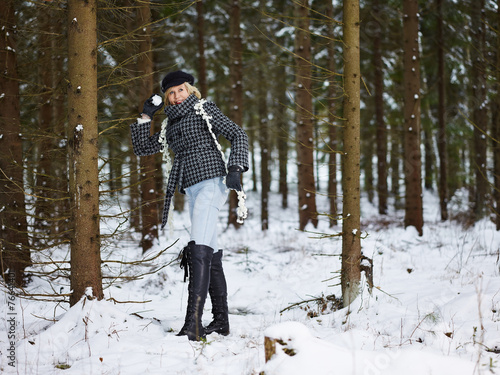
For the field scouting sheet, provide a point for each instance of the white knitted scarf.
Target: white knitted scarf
(162, 139)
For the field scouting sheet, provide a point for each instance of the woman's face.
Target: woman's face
(177, 94)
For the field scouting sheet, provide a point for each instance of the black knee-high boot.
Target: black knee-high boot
(199, 258)
(218, 296)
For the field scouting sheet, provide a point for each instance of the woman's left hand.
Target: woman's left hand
(233, 178)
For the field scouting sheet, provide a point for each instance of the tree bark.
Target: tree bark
(44, 207)
(304, 118)
(132, 100)
(59, 98)
(496, 132)
(263, 96)
(479, 197)
(202, 61)
(282, 129)
(149, 195)
(281, 119)
(381, 128)
(351, 228)
(264, 155)
(429, 156)
(14, 245)
(395, 157)
(441, 137)
(368, 134)
(332, 118)
(412, 154)
(83, 149)
(236, 71)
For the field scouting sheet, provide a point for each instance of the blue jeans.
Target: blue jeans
(206, 198)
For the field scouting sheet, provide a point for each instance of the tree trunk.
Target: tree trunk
(59, 104)
(52, 199)
(332, 118)
(479, 113)
(83, 149)
(282, 139)
(281, 127)
(429, 157)
(381, 129)
(304, 118)
(394, 162)
(202, 61)
(133, 101)
(441, 137)
(368, 135)
(236, 70)
(251, 150)
(115, 161)
(412, 155)
(14, 246)
(149, 195)
(263, 96)
(496, 132)
(45, 187)
(351, 228)
(264, 154)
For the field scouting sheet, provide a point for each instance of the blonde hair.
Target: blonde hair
(190, 89)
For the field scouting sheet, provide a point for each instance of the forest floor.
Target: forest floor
(434, 308)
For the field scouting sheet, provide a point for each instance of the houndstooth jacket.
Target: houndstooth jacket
(196, 155)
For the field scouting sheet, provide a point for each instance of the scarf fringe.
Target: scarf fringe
(241, 210)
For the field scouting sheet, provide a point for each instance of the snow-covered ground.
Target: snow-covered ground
(435, 308)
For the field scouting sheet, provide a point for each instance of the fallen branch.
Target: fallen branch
(319, 300)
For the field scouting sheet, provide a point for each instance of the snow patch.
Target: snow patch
(421, 318)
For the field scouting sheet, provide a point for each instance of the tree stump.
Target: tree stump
(270, 347)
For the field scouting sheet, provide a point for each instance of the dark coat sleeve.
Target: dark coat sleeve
(143, 143)
(233, 133)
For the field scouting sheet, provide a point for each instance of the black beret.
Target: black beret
(175, 79)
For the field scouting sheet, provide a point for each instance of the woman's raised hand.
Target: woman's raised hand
(151, 105)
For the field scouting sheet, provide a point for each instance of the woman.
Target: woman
(199, 171)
